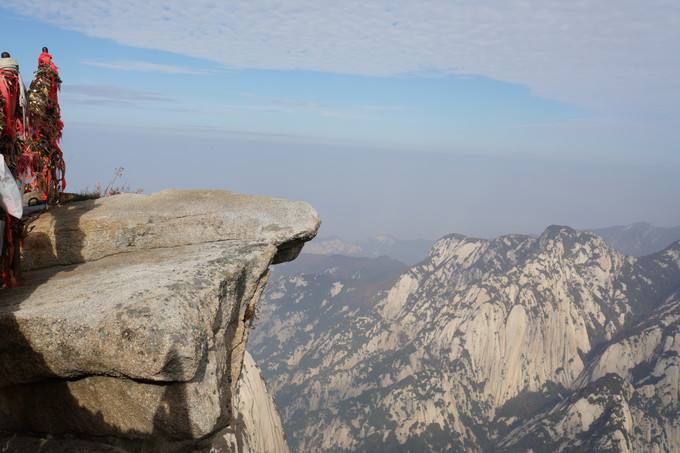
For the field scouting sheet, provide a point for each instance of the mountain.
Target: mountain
(333, 246)
(407, 251)
(311, 296)
(555, 342)
(639, 239)
(625, 400)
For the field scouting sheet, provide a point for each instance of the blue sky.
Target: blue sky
(548, 84)
(163, 89)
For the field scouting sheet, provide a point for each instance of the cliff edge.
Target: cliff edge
(129, 332)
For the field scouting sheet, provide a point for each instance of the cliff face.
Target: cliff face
(131, 328)
(517, 343)
(257, 427)
(627, 400)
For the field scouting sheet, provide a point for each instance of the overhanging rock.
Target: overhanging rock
(133, 322)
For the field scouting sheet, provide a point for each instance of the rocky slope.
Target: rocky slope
(627, 399)
(310, 298)
(511, 343)
(130, 330)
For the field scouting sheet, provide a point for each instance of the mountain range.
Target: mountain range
(518, 343)
(636, 239)
(408, 251)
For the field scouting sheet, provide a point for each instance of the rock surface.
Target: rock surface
(133, 321)
(90, 230)
(627, 400)
(260, 424)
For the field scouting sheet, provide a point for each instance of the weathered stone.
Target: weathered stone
(150, 315)
(139, 333)
(255, 427)
(257, 423)
(90, 230)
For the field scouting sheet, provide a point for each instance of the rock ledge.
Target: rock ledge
(133, 323)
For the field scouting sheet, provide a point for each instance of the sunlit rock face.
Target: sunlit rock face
(257, 425)
(479, 348)
(130, 330)
(626, 399)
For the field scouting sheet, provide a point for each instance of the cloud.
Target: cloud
(279, 105)
(619, 56)
(111, 95)
(144, 66)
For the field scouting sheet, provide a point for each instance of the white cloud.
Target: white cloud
(618, 55)
(145, 66)
(279, 105)
(110, 95)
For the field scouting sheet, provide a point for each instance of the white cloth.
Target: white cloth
(10, 197)
(9, 63)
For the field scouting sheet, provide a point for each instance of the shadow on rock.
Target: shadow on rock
(42, 412)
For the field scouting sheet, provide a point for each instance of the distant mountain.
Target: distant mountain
(332, 246)
(551, 343)
(410, 251)
(339, 267)
(407, 251)
(639, 239)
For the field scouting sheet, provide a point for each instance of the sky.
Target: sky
(412, 118)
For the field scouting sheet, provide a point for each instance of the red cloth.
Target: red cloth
(53, 169)
(46, 59)
(9, 90)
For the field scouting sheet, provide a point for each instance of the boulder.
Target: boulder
(132, 321)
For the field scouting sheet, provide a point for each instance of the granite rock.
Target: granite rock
(132, 321)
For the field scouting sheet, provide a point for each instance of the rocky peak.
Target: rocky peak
(558, 232)
(567, 242)
(481, 337)
(672, 251)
